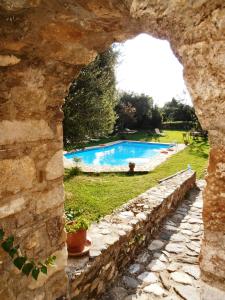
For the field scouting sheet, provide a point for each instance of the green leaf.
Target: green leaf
(44, 269)
(19, 262)
(35, 273)
(1, 234)
(7, 244)
(50, 260)
(27, 268)
(13, 251)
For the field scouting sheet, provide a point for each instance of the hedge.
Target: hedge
(179, 125)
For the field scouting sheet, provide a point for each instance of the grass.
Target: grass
(98, 195)
(170, 136)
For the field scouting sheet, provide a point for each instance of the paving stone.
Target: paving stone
(156, 265)
(178, 237)
(173, 267)
(130, 282)
(148, 277)
(188, 292)
(177, 217)
(186, 226)
(196, 228)
(192, 253)
(172, 297)
(143, 258)
(117, 293)
(162, 257)
(187, 232)
(182, 211)
(192, 270)
(164, 276)
(170, 228)
(198, 204)
(193, 247)
(136, 269)
(188, 259)
(155, 289)
(165, 235)
(166, 253)
(181, 277)
(170, 223)
(155, 245)
(175, 248)
(195, 220)
(138, 297)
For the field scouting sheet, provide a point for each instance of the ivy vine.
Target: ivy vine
(27, 266)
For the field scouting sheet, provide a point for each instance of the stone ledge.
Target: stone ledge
(117, 239)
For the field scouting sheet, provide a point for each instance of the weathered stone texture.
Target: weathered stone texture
(43, 46)
(213, 247)
(16, 175)
(23, 131)
(118, 238)
(54, 168)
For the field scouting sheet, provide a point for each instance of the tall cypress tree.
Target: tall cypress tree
(89, 107)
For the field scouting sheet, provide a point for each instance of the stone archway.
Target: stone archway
(43, 45)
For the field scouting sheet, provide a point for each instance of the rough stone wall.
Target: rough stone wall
(118, 238)
(43, 45)
(31, 175)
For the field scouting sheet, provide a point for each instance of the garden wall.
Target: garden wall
(118, 238)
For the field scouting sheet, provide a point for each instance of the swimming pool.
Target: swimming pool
(119, 154)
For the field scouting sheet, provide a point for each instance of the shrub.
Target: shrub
(79, 224)
(75, 171)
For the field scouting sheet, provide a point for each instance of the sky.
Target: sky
(147, 65)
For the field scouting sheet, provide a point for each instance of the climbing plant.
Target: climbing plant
(27, 266)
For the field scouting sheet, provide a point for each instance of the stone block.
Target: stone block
(50, 199)
(54, 168)
(12, 207)
(60, 264)
(24, 131)
(17, 174)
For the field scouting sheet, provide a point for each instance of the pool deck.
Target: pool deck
(148, 166)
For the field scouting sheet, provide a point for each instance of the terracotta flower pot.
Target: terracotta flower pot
(76, 241)
(131, 167)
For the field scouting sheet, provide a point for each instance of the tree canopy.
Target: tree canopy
(89, 107)
(137, 112)
(175, 110)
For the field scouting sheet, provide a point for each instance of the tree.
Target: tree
(126, 113)
(177, 111)
(89, 107)
(144, 113)
(156, 120)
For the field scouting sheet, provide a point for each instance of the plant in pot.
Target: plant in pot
(131, 167)
(76, 234)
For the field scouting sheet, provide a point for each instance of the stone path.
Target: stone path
(168, 269)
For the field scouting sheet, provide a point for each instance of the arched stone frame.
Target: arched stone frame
(43, 45)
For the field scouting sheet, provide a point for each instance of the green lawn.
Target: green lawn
(98, 195)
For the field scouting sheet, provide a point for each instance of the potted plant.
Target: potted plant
(76, 234)
(131, 167)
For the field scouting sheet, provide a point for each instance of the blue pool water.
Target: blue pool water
(119, 154)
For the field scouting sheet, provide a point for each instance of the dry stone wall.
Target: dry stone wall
(118, 238)
(43, 45)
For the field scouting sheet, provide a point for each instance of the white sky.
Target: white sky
(148, 65)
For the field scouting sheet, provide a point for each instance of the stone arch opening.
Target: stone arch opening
(43, 44)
